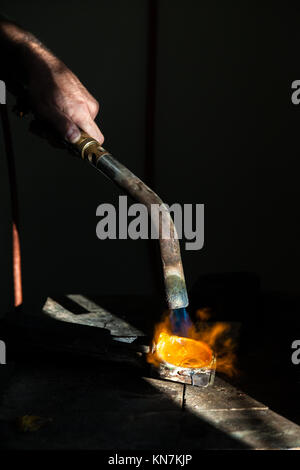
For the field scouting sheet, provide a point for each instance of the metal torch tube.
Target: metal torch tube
(175, 287)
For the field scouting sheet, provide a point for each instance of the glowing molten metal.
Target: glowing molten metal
(180, 343)
(183, 352)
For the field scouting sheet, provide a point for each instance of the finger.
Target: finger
(87, 124)
(93, 106)
(63, 124)
(92, 103)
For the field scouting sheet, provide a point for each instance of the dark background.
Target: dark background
(226, 135)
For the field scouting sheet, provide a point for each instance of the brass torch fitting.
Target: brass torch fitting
(89, 149)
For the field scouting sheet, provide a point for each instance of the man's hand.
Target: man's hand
(56, 95)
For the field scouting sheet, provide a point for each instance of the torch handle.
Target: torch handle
(89, 149)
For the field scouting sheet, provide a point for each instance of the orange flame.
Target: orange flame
(203, 340)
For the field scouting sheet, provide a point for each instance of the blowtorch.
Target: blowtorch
(88, 149)
(91, 151)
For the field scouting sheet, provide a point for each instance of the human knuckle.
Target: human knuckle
(96, 105)
(79, 109)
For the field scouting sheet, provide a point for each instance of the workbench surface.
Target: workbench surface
(89, 396)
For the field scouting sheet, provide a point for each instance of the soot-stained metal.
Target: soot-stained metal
(199, 377)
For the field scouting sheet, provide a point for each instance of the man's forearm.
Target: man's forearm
(22, 52)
